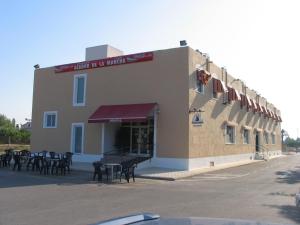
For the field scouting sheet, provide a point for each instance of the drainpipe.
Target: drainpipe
(222, 72)
(226, 77)
(267, 109)
(246, 98)
(207, 62)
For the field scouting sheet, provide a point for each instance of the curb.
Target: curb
(156, 178)
(195, 173)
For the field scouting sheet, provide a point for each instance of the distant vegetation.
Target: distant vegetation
(9, 134)
(290, 142)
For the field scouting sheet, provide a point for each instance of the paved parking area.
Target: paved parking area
(261, 191)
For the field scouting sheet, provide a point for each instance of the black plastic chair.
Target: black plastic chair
(127, 169)
(53, 155)
(17, 160)
(7, 157)
(97, 170)
(34, 162)
(69, 156)
(43, 153)
(25, 155)
(45, 164)
(61, 165)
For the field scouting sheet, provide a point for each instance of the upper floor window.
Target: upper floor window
(79, 90)
(50, 119)
(202, 78)
(230, 134)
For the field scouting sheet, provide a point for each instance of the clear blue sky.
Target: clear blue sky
(258, 41)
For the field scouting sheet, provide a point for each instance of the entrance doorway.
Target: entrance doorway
(257, 141)
(141, 140)
(141, 137)
(136, 137)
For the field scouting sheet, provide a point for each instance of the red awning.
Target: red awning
(254, 106)
(219, 86)
(203, 76)
(249, 103)
(122, 113)
(233, 94)
(260, 109)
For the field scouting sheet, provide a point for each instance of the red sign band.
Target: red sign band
(118, 60)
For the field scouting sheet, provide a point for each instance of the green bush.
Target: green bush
(9, 133)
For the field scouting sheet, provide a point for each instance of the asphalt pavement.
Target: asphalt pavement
(261, 191)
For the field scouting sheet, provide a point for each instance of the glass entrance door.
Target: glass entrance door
(77, 138)
(144, 140)
(135, 140)
(140, 140)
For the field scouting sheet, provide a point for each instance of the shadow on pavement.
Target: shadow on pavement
(9, 178)
(288, 211)
(288, 177)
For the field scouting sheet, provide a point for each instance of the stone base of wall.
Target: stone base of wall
(195, 163)
(275, 153)
(203, 162)
(184, 163)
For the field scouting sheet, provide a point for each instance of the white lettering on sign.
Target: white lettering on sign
(115, 61)
(118, 60)
(82, 66)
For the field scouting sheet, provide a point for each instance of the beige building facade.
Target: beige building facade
(174, 105)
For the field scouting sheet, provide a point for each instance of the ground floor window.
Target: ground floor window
(230, 134)
(246, 137)
(266, 135)
(257, 141)
(50, 119)
(273, 139)
(77, 138)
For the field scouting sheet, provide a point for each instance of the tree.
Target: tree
(290, 142)
(10, 134)
(13, 122)
(24, 136)
(4, 121)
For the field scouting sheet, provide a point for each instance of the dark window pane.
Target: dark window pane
(80, 90)
(48, 122)
(78, 139)
(52, 120)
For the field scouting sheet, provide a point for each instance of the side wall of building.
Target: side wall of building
(162, 80)
(207, 142)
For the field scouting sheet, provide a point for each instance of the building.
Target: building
(174, 105)
(26, 126)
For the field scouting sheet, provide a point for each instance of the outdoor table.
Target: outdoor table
(111, 166)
